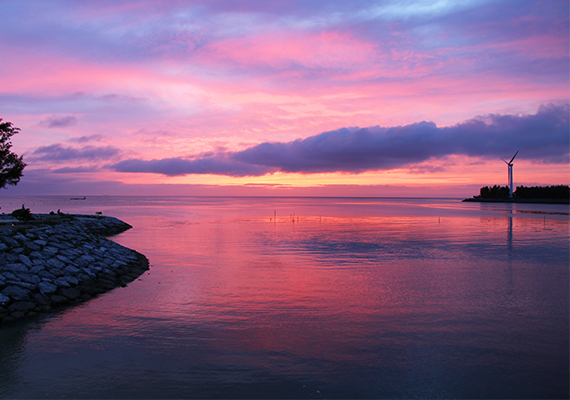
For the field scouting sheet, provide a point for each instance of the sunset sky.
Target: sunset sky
(333, 98)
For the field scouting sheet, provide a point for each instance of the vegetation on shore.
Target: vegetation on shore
(548, 193)
(11, 165)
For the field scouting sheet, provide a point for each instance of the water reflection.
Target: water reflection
(364, 300)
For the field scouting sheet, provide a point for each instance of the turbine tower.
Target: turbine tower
(510, 166)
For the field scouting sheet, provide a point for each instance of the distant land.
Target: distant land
(559, 194)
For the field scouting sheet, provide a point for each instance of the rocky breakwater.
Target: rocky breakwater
(53, 261)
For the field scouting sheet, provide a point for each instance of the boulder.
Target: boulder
(58, 300)
(16, 292)
(70, 293)
(22, 306)
(36, 269)
(41, 299)
(32, 246)
(70, 269)
(55, 263)
(9, 241)
(46, 275)
(25, 260)
(47, 288)
(50, 251)
(17, 268)
(62, 282)
(29, 278)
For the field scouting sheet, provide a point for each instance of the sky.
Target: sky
(311, 98)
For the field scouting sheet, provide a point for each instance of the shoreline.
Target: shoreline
(53, 261)
(524, 201)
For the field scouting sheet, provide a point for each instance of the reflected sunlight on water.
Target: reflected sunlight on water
(357, 298)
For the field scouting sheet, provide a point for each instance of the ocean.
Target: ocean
(310, 298)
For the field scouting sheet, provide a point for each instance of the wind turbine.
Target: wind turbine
(510, 165)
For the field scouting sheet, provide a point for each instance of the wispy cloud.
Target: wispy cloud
(58, 152)
(59, 122)
(180, 166)
(88, 138)
(73, 170)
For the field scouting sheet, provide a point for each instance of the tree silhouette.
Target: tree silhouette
(11, 165)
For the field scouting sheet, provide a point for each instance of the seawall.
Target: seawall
(57, 260)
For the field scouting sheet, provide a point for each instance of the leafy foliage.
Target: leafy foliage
(22, 214)
(11, 165)
(495, 192)
(523, 192)
(543, 192)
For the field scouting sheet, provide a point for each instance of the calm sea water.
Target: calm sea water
(335, 298)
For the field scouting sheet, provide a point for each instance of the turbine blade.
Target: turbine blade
(514, 156)
(505, 161)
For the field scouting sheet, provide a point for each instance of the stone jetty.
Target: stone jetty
(57, 260)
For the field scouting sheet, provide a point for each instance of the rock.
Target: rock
(49, 266)
(16, 293)
(20, 238)
(59, 246)
(70, 269)
(20, 283)
(11, 258)
(39, 261)
(84, 261)
(25, 260)
(58, 300)
(63, 259)
(22, 306)
(71, 280)
(16, 268)
(70, 293)
(106, 284)
(32, 246)
(37, 256)
(46, 275)
(55, 263)
(9, 241)
(15, 315)
(36, 269)
(47, 288)
(50, 251)
(29, 278)
(61, 282)
(41, 299)
(88, 289)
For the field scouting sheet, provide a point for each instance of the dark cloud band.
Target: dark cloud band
(57, 152)
(541, 137)
(179, 166)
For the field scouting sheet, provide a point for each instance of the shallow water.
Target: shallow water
(336, 298)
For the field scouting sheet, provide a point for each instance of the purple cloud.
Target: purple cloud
(71, 170)
(59, 122)
(541, 137)
(57, 152)
(84, 139)
(180, 166)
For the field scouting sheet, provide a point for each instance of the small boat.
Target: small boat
(78, 198)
